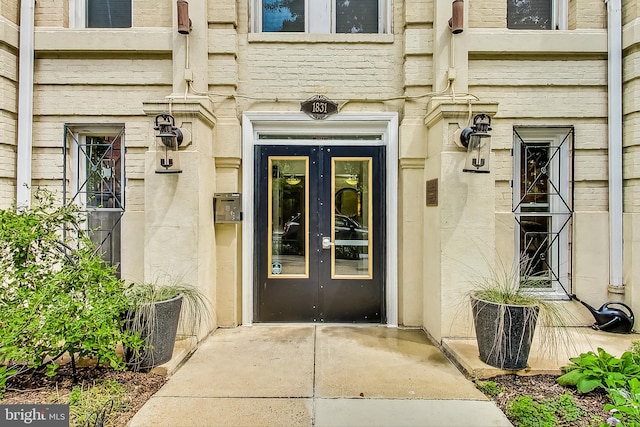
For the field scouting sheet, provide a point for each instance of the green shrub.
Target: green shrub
(590, 371)
(56, 295)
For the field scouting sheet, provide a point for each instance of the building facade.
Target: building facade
(320, 173)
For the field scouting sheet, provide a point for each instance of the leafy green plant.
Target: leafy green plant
(5, 374)
(634, 348)
(490, 388)
(94, 405)
(57, 295)
(529, 412)
(626, 403)
(590, 371)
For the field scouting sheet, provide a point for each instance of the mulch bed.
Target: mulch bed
(37, 388)
(545, 386)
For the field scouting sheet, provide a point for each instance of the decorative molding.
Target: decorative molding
(228, 162)
(412, 162)
(200, 107)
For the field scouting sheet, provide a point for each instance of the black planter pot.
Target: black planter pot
(159, 338)
(504, 332)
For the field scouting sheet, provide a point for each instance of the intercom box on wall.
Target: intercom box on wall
(227, 207)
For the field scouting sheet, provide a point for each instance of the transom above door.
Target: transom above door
(319, 233)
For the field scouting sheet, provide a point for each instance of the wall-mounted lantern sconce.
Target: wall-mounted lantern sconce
(456, 23)
(477, 140)
(184, 23)
(168, 139)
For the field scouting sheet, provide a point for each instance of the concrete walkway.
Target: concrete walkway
(318, 376)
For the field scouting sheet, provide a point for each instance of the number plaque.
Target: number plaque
(319, 107)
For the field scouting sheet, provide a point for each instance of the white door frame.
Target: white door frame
(385, 124)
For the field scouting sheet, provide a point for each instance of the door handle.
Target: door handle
(327, 243)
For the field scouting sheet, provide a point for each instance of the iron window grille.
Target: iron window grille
(94, 177)
(543, 205)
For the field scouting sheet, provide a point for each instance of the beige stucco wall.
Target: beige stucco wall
(10, 10)
(629, 11)
(8, 100)
(52, 13)
(531, 77)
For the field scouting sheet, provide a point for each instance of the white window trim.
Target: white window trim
(560, 174)
(323, 13)
(385, 124)
(561, 14)
(77, 14)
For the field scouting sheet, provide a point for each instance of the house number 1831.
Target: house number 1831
(319, 107)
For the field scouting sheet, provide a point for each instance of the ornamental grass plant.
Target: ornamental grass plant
(148, 317)
(515, 284)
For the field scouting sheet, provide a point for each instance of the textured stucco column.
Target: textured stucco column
(179, 240)
(459, 233)
(228, 249)
(410, 213)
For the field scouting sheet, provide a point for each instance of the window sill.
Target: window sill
(103, 40)
(319, 38)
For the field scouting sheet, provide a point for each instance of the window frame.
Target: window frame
(320, 19)
(559, 17)
(560, 204)
(78, 16)
(75, 179)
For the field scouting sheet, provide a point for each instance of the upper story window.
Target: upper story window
(100, 13)
(108, 13)
(536, 14)
(321, 16)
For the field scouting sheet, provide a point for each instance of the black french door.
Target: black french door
(319, 234)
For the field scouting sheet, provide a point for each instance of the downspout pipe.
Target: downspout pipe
(25, 105)
(614, 12)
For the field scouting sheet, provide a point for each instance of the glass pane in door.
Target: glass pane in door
(352, 216)
(288, 217)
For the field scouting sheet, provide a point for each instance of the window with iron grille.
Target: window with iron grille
(543, 205)
(94, 180)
